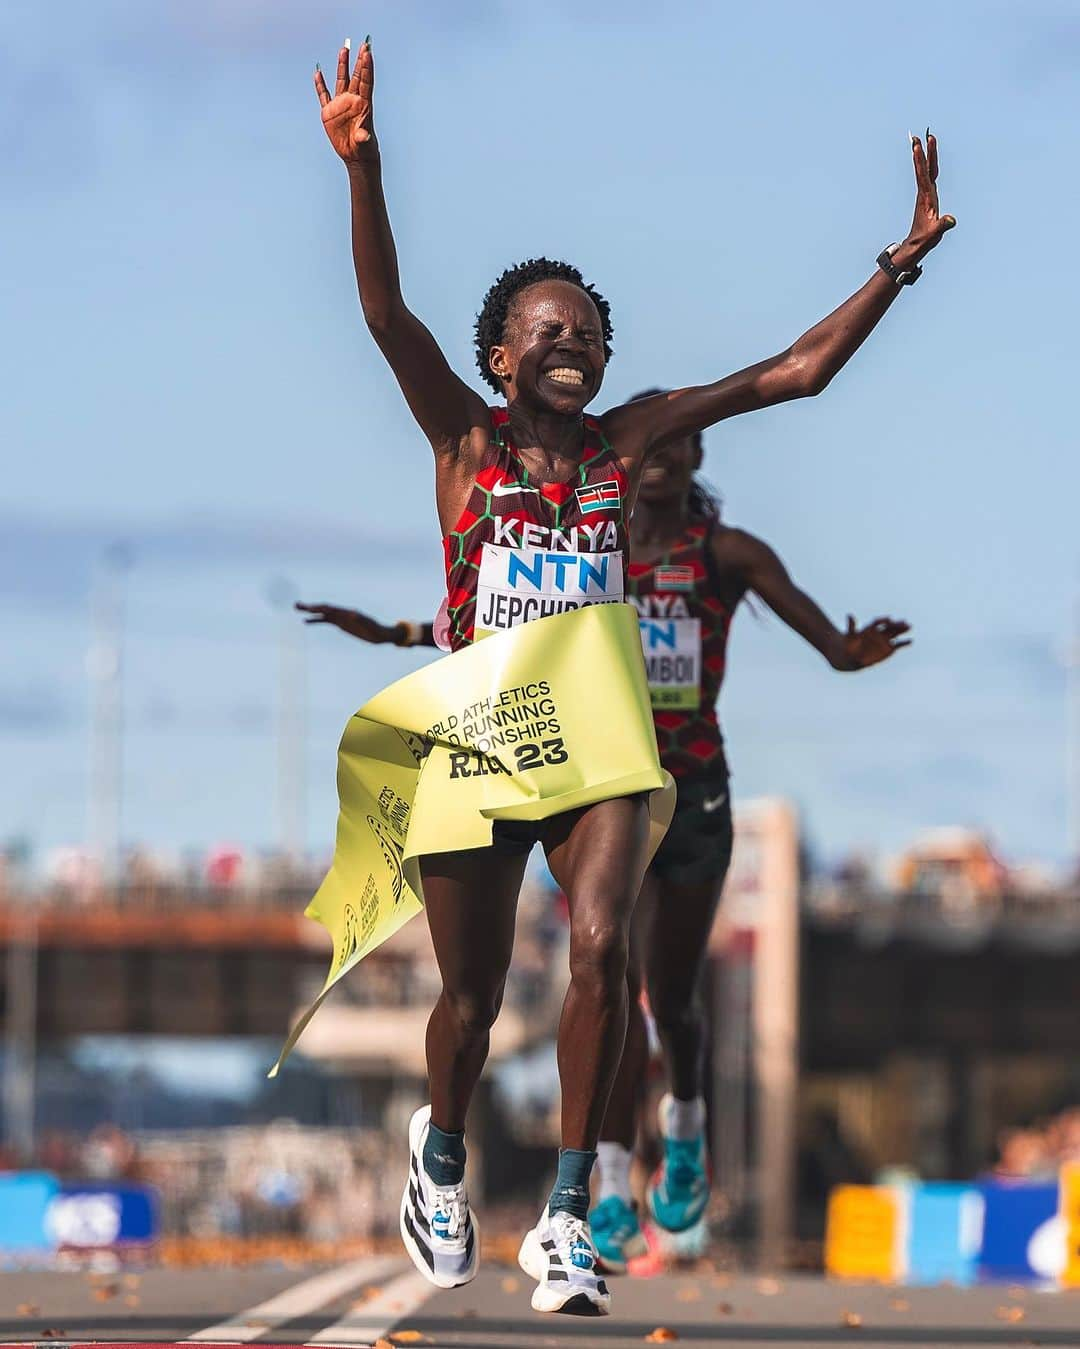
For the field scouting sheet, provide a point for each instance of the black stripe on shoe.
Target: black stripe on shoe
(418, 1212)
(469, 1243)
(558, 1276)
(601, 1287)
(422, 1247)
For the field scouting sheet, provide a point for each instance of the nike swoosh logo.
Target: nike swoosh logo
(509, 489)
(717, 801)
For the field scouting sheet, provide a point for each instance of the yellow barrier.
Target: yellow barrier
(863, 1233)
(1070, 1211)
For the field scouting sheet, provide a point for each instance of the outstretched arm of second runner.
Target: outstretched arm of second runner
(806, 367)
(762, 571)
(443, 404)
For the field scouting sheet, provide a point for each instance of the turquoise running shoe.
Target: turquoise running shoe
(616, 1234)
(679, 1191)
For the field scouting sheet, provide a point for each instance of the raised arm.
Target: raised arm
(807, 366)
(444, 406)
(402, 633)
(766, 575)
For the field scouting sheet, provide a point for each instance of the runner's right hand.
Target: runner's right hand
(347, 116)
(350, 621)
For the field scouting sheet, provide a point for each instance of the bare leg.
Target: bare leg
(675, 960)
(471, 902)
(597, 856)
(628, 1089)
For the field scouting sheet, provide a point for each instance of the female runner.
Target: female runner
(508, 477)
(687, 574)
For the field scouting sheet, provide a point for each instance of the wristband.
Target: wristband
(907, 277)
(410, 634)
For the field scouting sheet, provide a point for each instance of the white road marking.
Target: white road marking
(298, 1300)
(399, 1299)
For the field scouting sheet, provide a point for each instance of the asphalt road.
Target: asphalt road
(355, 1304)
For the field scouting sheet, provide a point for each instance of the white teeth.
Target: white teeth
(565, 376)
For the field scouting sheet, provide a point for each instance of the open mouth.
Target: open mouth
(655, 473)
(565, 374)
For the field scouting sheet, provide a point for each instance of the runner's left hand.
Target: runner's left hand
(873, 644)
(927, 225)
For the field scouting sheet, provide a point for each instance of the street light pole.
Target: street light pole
(1072, 739)
(291, 725)
(105, 669)
(20, 1032)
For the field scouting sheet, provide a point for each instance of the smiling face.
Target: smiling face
(669, 470)
(552, 354)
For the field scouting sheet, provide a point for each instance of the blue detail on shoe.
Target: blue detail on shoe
(615, 1227)
(440, 1225)
(679, 1192)
(581, 1257)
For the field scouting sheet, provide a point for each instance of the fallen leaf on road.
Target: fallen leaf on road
(724, 1308)
(50, 1334)
(28, 1309)
(661, 1335)
(899, 1304)
(510, 1284)
(721, 1280)
(768, 1287)
(689, 1293)
(852, 1320)
(256, 1324)
(106, 1291)
(367, 1295)
(409, 1337)
(468, 1312)
(131, 1299)
(382, 1344)
(1010, 1313)
(131, 1280)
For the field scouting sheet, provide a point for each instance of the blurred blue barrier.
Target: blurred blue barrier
(1023, 1236)
(945, 1230)
(25, 1197)
(91, 1216)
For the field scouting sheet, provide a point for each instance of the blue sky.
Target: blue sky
(187, 370)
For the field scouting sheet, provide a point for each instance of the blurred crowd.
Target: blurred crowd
(1037, 1151)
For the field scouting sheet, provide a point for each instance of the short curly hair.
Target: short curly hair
(490, 327)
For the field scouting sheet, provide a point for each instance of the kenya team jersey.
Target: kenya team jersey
(685, 611)
(524, 550)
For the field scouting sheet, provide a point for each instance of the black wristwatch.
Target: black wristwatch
(902, 278)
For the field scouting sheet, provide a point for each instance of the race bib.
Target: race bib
(517, 585)
(672, 649)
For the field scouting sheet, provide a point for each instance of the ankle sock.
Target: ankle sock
(613, 1161)
(571, 1191)
(444, 1156)
(685, 1119)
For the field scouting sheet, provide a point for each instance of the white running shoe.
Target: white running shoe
(559, 1254)
(439, 1232)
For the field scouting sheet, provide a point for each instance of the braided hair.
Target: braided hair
(490, 328)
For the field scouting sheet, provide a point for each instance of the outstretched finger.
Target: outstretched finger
(896, 646)
(363, 76)
(931, 151)
(320, 87)
(922, 176)
(342, 82)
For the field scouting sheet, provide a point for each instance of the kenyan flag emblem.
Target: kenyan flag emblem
(601, 496)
